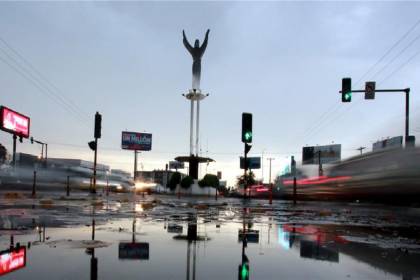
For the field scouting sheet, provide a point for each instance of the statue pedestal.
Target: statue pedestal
(194, 96)
(193, 162)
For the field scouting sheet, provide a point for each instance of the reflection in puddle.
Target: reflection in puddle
(180, 241)
(12, 259)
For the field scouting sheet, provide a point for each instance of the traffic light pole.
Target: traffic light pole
(46, 153)
(407, 106)
(42, 149)
(245, 170)
(93, 190)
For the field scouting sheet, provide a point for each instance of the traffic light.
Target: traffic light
(346, 90)
(98, 125)
(246, 128)
(243, 271)
(92, 145)
(32, 140)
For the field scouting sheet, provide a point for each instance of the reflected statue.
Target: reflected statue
(197, 53)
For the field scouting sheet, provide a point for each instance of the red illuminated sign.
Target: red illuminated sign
(12, 260)
(14, 122)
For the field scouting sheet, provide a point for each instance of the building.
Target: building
(160, 177)
(58, 170)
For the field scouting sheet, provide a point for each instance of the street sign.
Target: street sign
(370, 90)
(253, 162)
(329, 153)
(176, 165)
(14, 122)
(136, 141)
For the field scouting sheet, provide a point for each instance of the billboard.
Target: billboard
(136, 141)
(11, 260)
(14, 122)
(253, 162)
(133, 251)
(329, 153)
(394, 142)
(176, 165)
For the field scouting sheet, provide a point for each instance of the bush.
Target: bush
(209, 180)
(186, 182)
(174, 180)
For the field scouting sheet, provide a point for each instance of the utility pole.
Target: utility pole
(269, 181)
(361, 149)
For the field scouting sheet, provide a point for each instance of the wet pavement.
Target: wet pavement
(162, 237)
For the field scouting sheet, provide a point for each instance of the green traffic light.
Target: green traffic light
(248, 136)
(347, 96)
(244, 272)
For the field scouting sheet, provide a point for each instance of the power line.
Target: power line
(43, 78)
(400, 67)
(389, 50)
(396, 56)
(39, 87)
(323, 123)
(45, 89)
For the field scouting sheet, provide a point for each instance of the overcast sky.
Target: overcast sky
(281, 61)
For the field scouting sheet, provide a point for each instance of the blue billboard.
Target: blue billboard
(136, 141)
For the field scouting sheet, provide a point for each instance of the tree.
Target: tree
(209, 180)
(174, 180)
(186, 182)
(248, 179)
